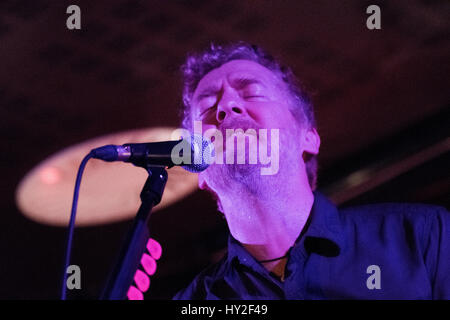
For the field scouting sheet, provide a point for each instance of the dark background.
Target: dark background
(382, 101)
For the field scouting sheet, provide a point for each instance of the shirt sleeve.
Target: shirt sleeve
(437, 253)
(184, 294)
(194, 291)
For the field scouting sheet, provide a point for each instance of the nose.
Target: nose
(229, 105)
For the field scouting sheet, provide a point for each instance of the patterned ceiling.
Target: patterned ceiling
(59, 87)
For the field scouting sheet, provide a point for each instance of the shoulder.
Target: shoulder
(199, 288)
(410, 211)
(416, 218)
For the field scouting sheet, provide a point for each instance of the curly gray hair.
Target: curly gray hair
(197, 65)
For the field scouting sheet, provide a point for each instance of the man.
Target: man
(287, 241)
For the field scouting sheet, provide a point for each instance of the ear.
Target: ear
(311, 141)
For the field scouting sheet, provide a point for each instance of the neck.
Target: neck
(267, 224)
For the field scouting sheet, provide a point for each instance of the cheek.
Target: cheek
(272, 116)
(208, 127)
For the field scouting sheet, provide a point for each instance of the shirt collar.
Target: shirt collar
(324, 220)
(323, 231)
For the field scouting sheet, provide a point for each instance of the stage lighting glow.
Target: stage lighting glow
(50, 175)
(134, 294)
(149, 264)
(154, 248)
(109, 190)
(142, 280)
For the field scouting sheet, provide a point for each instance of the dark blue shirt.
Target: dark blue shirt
(383, 251)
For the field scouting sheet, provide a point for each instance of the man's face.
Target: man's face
(243, 94)
(242, 91)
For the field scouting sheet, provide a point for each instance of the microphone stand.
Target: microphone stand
(121, 276)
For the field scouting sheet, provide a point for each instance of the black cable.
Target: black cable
(275, 259)
(72, 223)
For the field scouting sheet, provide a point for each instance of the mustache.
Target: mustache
(238, 123)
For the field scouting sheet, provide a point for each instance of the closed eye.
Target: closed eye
(253, 97)
(207, 110)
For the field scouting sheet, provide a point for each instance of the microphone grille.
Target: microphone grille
(202, 153)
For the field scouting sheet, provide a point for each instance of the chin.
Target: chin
(243, 171)
(224, 176)
(248, 176)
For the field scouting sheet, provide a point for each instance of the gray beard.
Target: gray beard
(247, 177)
(235, 176)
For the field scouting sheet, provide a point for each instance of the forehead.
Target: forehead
(238, 69)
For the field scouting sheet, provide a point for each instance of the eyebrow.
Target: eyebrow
(238, 83)
(211, 90)
(242, 82)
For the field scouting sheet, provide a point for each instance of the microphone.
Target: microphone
(192, 153)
